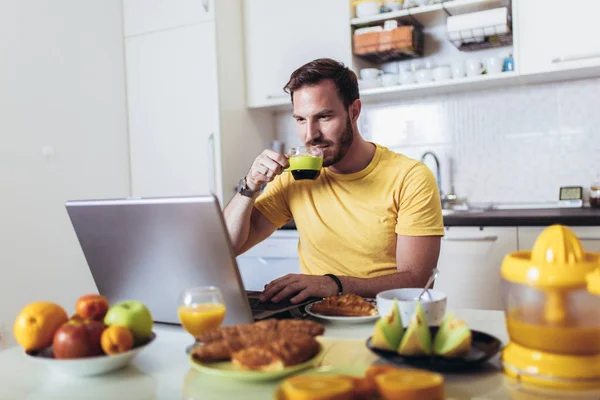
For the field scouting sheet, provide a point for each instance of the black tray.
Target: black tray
(483, 347)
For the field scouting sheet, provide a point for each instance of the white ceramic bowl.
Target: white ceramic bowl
(364, 84)
(87, 366)
(435, 309)
(367, 8)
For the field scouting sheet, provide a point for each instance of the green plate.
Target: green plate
(227, 369)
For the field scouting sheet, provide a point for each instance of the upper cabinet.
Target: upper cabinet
(142, 16)
(555, 35)
(280, 36)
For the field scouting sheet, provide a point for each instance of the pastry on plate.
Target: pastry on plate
(346, 305)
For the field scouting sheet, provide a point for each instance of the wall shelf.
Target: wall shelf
(382, 94)
(427, 14)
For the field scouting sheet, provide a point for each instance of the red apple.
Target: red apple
(76, 339)
(92, 306)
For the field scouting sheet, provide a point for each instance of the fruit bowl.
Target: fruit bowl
(87, 366)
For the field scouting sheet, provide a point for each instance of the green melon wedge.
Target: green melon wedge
(388, 330)
(453, 339)
(417, 338)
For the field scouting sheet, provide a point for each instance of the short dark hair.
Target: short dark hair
(321, 69)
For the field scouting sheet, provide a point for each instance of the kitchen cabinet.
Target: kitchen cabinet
(555, 36)
(589, 236)
(280, 36)
(469, 263)
(143, 16)
(173, 115)
(273, 258)
(190, 131)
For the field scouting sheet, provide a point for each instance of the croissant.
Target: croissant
(271, 328)
(276, 355)
(347, 305)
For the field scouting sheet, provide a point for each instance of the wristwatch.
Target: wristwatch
(243, 189)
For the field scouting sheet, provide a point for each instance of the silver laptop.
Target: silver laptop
(151, 249)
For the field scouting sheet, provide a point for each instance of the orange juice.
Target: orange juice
(200, 318)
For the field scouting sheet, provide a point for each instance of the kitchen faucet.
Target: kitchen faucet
(450, 198)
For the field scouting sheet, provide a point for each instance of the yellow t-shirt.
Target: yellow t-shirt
(347, 223)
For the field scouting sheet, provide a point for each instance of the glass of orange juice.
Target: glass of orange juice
(201, 309)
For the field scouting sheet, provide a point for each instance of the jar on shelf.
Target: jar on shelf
(595, 194)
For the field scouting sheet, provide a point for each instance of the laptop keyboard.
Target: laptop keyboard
(258, 305)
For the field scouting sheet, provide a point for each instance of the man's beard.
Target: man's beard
(344, 145)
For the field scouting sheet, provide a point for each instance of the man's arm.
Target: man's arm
(245, 224)
(416, 256)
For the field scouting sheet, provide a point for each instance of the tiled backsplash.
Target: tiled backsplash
(510, 146)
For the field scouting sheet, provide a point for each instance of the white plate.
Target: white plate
(348, 320)
(88, 366)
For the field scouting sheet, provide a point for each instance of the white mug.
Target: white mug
(424, 75)
(442, 73)
(389, 79)
(407, 77)
(458, 70)
(494, 65)
(369, 73)
(474, 67)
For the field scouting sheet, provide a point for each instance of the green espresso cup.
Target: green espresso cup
(305, 163)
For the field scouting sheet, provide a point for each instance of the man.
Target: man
(371, 221)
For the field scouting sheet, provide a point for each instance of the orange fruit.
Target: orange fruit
(116, 339)
(315, 387)
(37, 323)
(410, 384)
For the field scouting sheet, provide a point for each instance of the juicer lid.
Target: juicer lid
(557, 261)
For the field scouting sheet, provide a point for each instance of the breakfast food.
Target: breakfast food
(379, 382)
(417, 337)
(254, 335)
(270, 329)
(87, 333)
(36, 324)
(346, 305)
(453, 338)
(389, 330)
(276, 355)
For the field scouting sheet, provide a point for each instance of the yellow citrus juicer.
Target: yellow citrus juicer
(552, 304)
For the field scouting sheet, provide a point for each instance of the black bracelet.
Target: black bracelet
(337, 282)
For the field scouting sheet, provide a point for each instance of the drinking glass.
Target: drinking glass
(305, 162)
(200, 310)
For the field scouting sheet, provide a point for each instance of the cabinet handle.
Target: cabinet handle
(276, 96)
(205, 4)
(472, 239)
(589, 238)
(557, 60)
(211, 164)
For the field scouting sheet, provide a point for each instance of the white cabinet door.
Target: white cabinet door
(142, 16)
(470, 262)
(589, 236)
(557, 35)
(256, 272)
(173, 111)
(283, 35)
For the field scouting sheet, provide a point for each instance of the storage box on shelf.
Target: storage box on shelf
(400, 43)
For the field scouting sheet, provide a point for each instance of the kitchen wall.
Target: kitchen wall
(516, 145)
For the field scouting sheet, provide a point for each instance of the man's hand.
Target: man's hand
(265, 168)
(303, 286)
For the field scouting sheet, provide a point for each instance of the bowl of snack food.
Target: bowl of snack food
(97, 339)
(433, 303)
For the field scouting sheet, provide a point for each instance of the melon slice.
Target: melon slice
(417, 338)
(453, 339)
(388, 330)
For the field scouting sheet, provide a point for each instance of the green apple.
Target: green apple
(417, 338)
(453, 339)
(133, 315)
(388, 330)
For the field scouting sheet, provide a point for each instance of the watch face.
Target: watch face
(571, 193)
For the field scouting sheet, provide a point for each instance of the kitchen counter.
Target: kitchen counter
(516, 217)
(525, 217)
